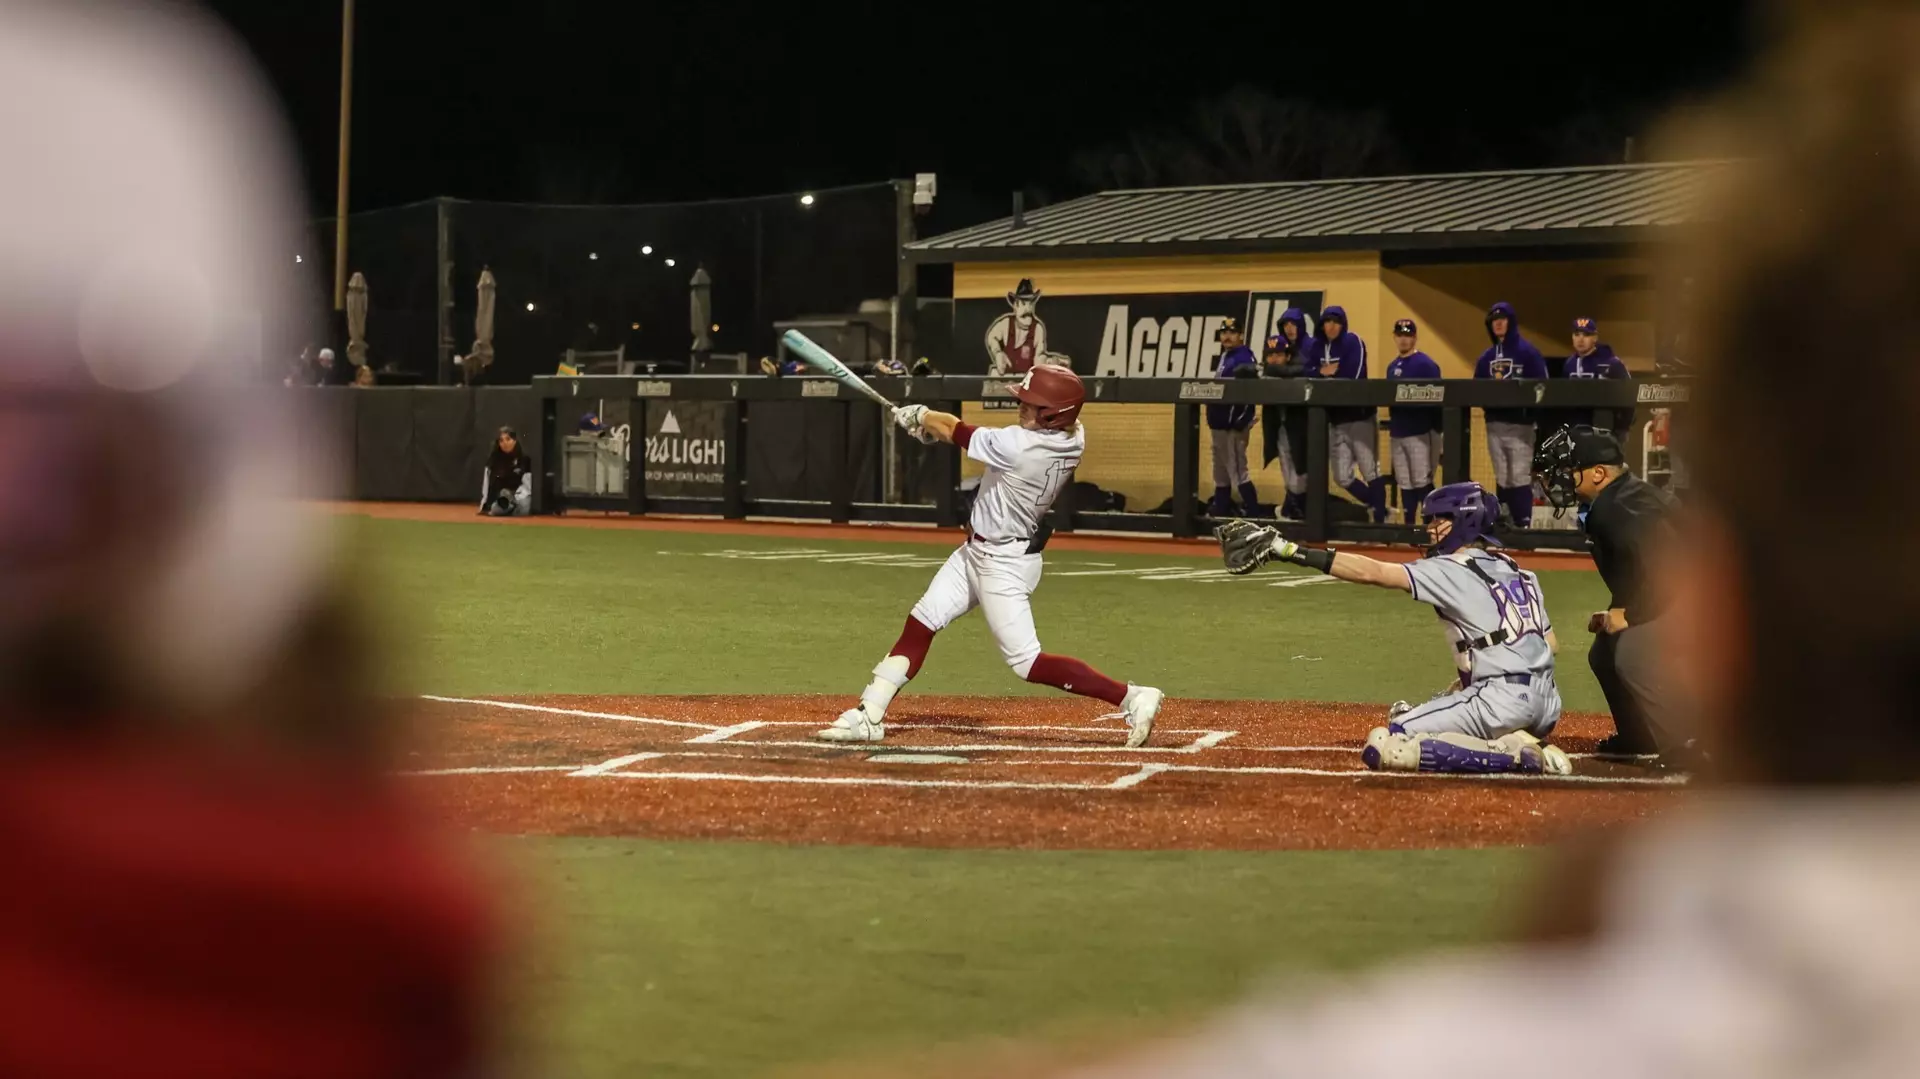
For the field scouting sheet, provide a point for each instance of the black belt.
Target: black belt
(1035, 543)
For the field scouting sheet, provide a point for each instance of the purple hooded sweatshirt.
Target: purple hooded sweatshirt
(1600, 363)
(1348, 351)
(1509, 357)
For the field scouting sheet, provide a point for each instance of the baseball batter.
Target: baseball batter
(1510, 430)
(998, 566)
(1505, 701)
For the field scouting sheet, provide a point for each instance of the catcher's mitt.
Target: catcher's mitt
(1246, 546)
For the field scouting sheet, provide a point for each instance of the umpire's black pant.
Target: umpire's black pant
(1629, 668)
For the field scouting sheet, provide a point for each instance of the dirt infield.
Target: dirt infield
(1103, 543)
(987, 772)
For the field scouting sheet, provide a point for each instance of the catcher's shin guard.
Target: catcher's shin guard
(1392, 751)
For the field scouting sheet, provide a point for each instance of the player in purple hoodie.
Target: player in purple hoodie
(1510, 430)
(1590, 359)
(1231, 428)
(1355, 432)
(1414, 432)
(1283, 429)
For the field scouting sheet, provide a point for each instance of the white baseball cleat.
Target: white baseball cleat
(1555, 761)
(1139, 707)
(854, 725)
(1398, 709)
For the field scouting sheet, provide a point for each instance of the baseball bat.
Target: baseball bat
(827, 364)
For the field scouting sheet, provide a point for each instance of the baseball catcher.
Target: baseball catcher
(1496, 715)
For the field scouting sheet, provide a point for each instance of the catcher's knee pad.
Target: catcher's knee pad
(1391, 751)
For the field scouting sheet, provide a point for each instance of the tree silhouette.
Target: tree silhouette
(1246, 136)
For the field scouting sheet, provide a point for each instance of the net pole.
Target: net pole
(346, 129)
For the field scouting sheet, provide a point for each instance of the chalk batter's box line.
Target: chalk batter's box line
(616, 769)
(1207, 740)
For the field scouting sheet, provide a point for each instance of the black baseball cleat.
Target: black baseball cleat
(1625, 747)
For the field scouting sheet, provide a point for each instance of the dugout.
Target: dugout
(1133, 283)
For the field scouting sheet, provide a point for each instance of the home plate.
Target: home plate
(916, 758)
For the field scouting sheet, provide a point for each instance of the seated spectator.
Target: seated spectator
(324, 372)
(363, 377)
(506, 487)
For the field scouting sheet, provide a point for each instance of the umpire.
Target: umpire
(1625, 518)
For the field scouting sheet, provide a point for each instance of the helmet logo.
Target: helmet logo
(1026, 381)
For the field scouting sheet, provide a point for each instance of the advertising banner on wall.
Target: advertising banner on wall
(1135, 335)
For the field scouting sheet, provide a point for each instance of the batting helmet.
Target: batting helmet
(1056, 391)
(1470, 510)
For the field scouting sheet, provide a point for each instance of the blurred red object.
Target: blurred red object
(173, 914)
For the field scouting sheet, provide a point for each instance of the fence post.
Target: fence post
(1316, 521)
(637, 456)
(443, 278)
(840, 510)
(1455, 455)
(945, 462)
(733, 471)
(1186, 468)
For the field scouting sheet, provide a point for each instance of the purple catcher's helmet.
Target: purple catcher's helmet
(1471, 511)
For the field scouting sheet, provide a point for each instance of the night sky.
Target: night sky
(573, 101)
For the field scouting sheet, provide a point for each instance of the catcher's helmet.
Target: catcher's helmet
(1470, 510)
(1056, 391)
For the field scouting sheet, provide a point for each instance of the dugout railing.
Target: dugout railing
(938, 468)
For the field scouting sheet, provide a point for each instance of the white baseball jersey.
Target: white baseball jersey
(1026, 471)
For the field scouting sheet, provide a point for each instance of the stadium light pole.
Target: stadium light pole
(346, 129)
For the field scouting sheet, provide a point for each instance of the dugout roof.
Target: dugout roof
(1599, 206)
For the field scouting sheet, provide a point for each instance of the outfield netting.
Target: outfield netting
(600, 278)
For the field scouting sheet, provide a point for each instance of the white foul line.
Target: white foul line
(518, 707)
(725, 733)
(613, 765)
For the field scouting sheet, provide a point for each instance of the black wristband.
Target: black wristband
(1315, 558)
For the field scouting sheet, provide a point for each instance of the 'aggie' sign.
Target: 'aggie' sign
(1150, 335)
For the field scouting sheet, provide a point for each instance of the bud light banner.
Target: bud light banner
(1143, 335)
(686, 448)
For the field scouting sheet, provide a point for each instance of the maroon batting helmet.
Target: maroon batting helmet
(1056, 391)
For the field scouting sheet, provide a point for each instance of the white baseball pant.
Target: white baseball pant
(999, 578)
(1413, 457)
(1490, 709)
(1355, 444)
(1510, 445)
(1292, 472)
(1230, 458)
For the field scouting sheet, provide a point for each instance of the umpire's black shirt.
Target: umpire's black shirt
(1627, 517)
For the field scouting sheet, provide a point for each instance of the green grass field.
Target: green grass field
(720, 959)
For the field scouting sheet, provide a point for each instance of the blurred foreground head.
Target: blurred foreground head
(150, 557)
(1806, 586)
(187, 892)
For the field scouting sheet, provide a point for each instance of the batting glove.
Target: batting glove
(910, 417)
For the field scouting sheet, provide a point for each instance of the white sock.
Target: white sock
(888, 676)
